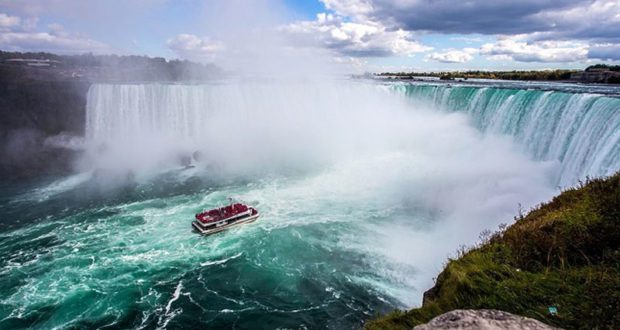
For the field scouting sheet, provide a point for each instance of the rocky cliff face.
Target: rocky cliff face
(601, 77)
(43, 102)
(36, 116)
(51, 106)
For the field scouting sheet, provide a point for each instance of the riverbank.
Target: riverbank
(546, 75)
(563, 255)
(595, 74)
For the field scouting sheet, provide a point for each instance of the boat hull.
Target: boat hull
(209, 231)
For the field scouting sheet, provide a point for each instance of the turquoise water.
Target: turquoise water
(134, 262)
(579, 130)
(362, 194)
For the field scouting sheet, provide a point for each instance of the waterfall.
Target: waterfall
(247, 124)
(123, 111)
(189, 112)
(581, 131)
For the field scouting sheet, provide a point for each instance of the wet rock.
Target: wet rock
(197, 155)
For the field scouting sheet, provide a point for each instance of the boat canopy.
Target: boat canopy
(222, 213)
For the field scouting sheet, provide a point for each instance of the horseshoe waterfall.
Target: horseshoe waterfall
(364, 190)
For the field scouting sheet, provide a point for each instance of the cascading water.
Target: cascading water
(580, 130)
(270, 124)
(362, 197)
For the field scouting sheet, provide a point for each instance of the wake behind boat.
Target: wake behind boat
(218, 219)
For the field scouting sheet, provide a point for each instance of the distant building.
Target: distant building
(32, 62)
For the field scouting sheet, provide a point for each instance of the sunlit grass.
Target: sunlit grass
(565, 253)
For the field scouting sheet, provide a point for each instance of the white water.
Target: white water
(363, 194)
(580, 131)
(414, 183)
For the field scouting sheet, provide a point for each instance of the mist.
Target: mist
(310, 147)
(253, 43)
(350, 144)
(360, 187)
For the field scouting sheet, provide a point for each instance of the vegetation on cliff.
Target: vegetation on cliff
(564, 254)
(16, 66)
(614, 68)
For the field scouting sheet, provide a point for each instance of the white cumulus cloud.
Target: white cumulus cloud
(605, 52)
(18, 34)
(352, 8)
(44, 41)
(192, 47)
(516, 49)
(453, 56)
(8, 22)
(354, 38)
(555, 31)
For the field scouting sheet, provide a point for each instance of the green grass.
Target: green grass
(565, 253)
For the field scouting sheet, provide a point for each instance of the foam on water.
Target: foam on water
(362, 197)
(581, 131)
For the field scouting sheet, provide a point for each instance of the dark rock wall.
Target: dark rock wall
(32, 111)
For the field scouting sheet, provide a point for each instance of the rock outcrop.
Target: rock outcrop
(483, 319)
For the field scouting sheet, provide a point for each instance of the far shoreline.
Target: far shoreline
(594, 74)
(564, 86)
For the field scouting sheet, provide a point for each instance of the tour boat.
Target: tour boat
(216, 220)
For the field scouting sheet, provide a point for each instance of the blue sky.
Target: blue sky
(374, 35)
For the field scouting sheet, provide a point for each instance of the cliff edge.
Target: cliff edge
(559, 264)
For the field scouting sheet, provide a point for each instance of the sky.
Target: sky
(367, 35)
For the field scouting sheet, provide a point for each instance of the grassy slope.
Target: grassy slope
(565, 253)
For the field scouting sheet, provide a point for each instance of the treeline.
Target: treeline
(115, 67)
(615, 68)
(505, 75)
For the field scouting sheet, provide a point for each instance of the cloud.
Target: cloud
(16, 23)
(550, 19)
(453, 56)
(44, 41)
(192, 47)
(17, 34)
(605, 52)
(517, 48)
(589, 20)
(514, 48)
(352, 8)
(112, 21)
(448, 16)
(527, 30)
(80, 10)
(354, 38)
(8, 22)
